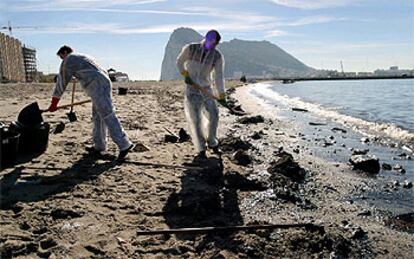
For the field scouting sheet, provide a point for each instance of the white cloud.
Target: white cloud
(239, 16)
(47, 5)
(221, 19)
(140, 29)
(113, 10)
(275, 33)
(313, 20)
(314, 4)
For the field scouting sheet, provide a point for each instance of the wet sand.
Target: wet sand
(65, 203)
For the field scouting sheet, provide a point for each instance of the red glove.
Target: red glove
(53, 105)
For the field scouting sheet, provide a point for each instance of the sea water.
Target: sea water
(381, 111)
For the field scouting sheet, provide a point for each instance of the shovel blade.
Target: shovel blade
(72, 116)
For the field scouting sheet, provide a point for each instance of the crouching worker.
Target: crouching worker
(97, 85)
(198, 63)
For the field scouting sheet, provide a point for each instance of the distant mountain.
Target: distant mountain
(250, 58)
(178, 39)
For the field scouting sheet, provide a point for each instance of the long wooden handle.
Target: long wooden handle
(74, 104)
(204, 90)
(158, 165)
(202, 230)
(73, 94)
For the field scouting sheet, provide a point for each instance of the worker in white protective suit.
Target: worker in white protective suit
(97, 85)
(198, 63)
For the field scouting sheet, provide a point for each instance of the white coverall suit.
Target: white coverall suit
(202, 65)
(97, 85)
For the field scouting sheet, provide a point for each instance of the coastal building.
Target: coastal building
(361, 74)
(395, 71)
(350, 74)
(29, 60)
(17, 61)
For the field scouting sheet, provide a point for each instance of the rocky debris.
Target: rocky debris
(325, 245)
(257, 135)
(299, 109)
(404, 156)
(317, 124)
(234, 107)
(395, 183)
(365, 213)
(60, 127)
(65, 213)
(47, 243)
(365, 163)
(183, 136)
(402, 222)
(386, 166)
(358, 233)
(198, 203)
(327, 143)
(231, 91)
(237, 110)
(39, 231)
(170, 138)
(14, 248)
(240, 157)
(262, 178)
(407, 184)
(235, 180)
(365, 140)
(231, 144)
(24, 226)
(45, 254)
(251, 120)
(409, 149)
(95, 250)
(285, 165)
(399, 169)
(360, 151)
(338, 129)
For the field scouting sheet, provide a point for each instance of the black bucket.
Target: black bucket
(33, 139)
(9, 144)
(30, 116)
(122, 91)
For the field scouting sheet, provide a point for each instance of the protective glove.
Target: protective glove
(187, 78)
(222, 99)
(53, 104)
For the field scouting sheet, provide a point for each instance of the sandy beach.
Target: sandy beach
(66, 204)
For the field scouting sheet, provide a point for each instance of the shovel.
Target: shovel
(32, 115)
(206, 92)
(72, 115)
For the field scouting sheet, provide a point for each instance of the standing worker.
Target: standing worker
(97, 85)
(198, 63)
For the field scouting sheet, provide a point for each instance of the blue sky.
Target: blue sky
(130, 35)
